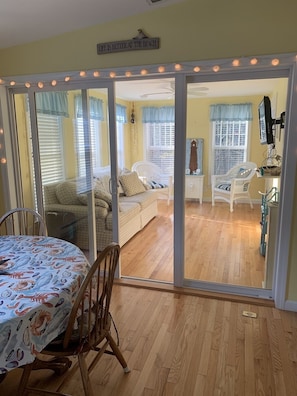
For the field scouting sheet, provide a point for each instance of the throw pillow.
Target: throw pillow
(102, 183)
(131, 184)
(83, 198)
(67, 194)
(104, 195)
(243, 173)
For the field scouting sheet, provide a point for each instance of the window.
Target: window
(96, 116)
(51, 148)
(51, 108)
(81, 147)
(159, 131)
(230, 133)
(120, 145)
(121, 119)
(230, 143)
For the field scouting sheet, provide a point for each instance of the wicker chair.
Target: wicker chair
(234, 184)
(22, 221)
(89, 325)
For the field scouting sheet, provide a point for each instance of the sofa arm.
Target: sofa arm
(80, 211)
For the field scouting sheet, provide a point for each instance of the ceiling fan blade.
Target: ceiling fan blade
(155, 93)
(198, 88)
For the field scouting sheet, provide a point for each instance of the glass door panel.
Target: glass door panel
(147, 139)
(65, 164)
(222, 246)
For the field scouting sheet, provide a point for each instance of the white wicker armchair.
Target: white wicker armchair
(152, 175)
(234, 184)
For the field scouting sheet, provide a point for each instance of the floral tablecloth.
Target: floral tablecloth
(38, 285)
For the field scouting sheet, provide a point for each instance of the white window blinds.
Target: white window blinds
(51, 148)
(230, 128)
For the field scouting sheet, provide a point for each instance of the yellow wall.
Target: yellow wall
(189, 31)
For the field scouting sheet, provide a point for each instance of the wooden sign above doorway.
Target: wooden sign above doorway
(140, 42)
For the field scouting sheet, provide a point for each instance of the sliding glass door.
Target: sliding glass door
(224, 246)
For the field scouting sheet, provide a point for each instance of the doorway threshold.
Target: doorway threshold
(170, 288)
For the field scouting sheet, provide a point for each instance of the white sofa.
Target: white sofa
(137, 206)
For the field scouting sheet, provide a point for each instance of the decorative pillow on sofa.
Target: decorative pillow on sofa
(67, 194)
(104, 195)
(131, 184)
(83, 198)
(102, 182)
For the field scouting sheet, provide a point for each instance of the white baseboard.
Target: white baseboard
(290, 305)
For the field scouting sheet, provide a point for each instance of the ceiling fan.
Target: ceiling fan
(168, 88)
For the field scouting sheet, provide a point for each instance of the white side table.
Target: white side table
(194, 187)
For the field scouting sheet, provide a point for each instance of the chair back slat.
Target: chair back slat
(89, 319)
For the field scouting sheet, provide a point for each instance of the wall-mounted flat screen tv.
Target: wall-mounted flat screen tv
(265, 121)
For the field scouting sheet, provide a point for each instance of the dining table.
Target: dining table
(40, 277)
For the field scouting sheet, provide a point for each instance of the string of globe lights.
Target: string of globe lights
(154, 70)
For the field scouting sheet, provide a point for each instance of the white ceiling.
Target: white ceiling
(163, 89)
(31, 20)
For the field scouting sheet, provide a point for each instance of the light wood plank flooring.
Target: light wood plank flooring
(186, 345)
(220, 246)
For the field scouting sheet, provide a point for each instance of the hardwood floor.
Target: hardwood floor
(186, 345)
(220, 246)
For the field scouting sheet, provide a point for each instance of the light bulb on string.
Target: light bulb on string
(275, 62)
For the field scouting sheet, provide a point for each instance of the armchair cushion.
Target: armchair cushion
(224, 186)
